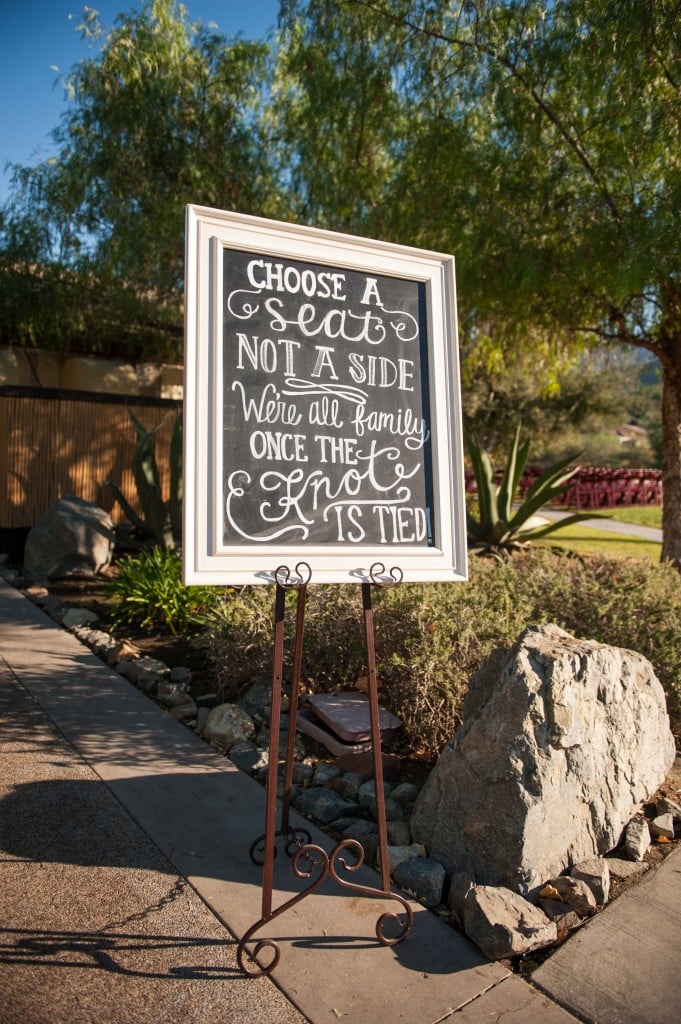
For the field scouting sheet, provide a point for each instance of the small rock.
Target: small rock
(406, 794)
(206, 700)
(122, 652)
(172, 694)
(303, 774)
(667, 806)
(399, 833)
(184, 712)
(399, 853)
(125, 668)
(37, 594)
(346, 786)
(461, 885)
(201, 719)
(96, 639)
(226, 725)
(247, 756)
(637, 838)
(561, 913)
(325, 772)
(503, 924)
(11, 576)
(663, 825)
(78, 617)
(357, 828)
(423, 878)
(575, 892)
(182, 675)
(149, 667)
(596, 873)
(367, 793)
(323, 804)
(393, 810)
(257, 700)
(624, 869)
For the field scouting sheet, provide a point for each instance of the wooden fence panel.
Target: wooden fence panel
(54, 443)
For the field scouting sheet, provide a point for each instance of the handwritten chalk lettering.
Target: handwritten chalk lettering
(401, 525)
(268, 408)
(238, 486)
(381, 372)
(324, 362)
(329, 419)
(277, 446)
(265, 354)
(337, 449)
(325, 412)
(402, 423)
(349, 529)
(275, 277)
(333, 324)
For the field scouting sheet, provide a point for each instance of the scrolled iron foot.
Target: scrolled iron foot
(337, 858)
(248, 959)
(306, 861)
(404, 926)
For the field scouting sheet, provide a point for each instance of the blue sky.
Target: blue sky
(37, 36)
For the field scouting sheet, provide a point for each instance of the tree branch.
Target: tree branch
(571, 140)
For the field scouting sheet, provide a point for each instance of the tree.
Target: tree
(92, 241)
(539, 142)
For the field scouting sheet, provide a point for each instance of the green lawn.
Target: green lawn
(585, 540)
(642, 515)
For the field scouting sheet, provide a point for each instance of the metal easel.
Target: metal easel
(310, 862)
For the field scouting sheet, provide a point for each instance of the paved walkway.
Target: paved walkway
(125, 879)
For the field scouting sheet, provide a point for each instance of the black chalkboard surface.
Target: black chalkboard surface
(326, 422)
(322, 407)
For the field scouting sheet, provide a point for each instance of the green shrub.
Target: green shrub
(430, 638)
(149, 591)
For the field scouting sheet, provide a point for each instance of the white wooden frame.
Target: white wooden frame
(206, 559)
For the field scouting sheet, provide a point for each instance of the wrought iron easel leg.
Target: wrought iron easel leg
(293, 710)
(273, 766)
(376, 736)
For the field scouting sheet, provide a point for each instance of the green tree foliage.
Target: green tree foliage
(164, 113)
(538, 141)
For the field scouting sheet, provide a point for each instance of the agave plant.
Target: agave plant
(504, 524)
(161, 520)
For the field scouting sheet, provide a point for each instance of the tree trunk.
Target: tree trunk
(671, 444)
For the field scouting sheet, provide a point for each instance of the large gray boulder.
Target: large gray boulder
(562, 741)
(75, 536)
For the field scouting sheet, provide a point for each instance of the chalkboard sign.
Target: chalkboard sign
(322, 412)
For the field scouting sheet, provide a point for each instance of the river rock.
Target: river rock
(662, 825)
(503, 924)
(226, 725)
(323, 804)
(562, 740)
(74, 617)
(596, 873)
(74, 536)
(637, 838)
(575, 892)
(421, 877)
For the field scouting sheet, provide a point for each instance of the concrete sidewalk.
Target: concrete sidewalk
(126, 878)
